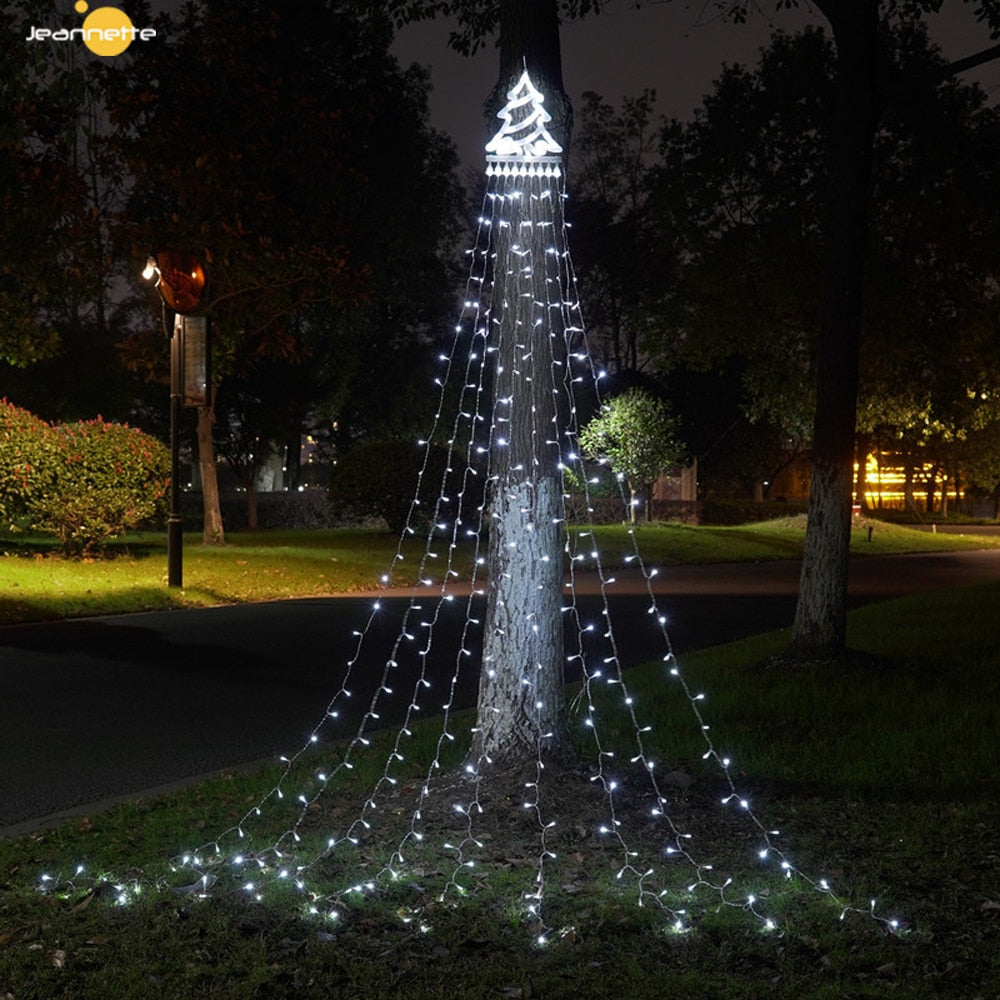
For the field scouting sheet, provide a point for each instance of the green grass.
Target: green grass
(37, 585)
(922, 682)
(676, 544)
(882, 776)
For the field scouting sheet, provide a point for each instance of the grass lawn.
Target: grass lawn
(36, 585)
(883, 776)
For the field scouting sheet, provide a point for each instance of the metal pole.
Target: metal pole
(175, 539)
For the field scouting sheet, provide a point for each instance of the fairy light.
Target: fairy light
(524, 193)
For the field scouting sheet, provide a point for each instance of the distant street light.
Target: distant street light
(180, 280)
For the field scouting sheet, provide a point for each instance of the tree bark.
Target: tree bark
(253, 521)
(819, 630)
(521, 705)
(212, 532)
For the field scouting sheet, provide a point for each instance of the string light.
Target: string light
(525, 193)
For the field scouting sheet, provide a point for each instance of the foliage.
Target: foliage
(743, 187)
(392, 480)
(617, 224)
(28, 455)
(747, 511)
(41, 195)
(637, 434)
(84, 482)
(979, 459)
(304, 125)
(58, 317)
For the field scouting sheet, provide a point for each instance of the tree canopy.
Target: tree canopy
(638, 436)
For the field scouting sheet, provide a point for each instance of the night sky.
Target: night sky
(670, 47)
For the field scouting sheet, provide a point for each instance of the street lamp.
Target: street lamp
(180, 280)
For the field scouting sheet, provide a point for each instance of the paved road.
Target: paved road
(104, 708)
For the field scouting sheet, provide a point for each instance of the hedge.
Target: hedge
(83, 482)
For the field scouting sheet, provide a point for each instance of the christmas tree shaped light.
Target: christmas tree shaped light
(523, 145)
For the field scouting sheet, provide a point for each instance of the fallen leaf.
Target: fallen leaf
(57, 958)
(989, 904)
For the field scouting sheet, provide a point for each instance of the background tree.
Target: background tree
(296, 127)
(621, 252)
(746, 177)
(637, 434)
(54, 273)
(60, 198)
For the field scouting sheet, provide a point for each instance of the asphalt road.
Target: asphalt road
(99, 709)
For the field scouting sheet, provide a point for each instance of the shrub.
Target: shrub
(28, 457)
(380, 479)
(84, 482)
(732, 512)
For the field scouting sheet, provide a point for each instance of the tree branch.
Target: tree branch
(970, 62)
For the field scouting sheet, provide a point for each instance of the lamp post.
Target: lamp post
(180, 280)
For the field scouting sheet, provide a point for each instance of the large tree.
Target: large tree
(819, 629)
(743, 182)
(55, 271)
(521, 707)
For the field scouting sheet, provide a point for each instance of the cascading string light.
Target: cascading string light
(512, 191)
(395, 755)
(610, 670)
(544, 447)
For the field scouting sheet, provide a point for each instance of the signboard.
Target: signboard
(192, 332)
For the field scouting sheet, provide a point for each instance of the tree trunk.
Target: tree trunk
(521, 706)
(253, 521)
(909, 504)
(521, 702)
(212, 532)
(862, 449)
(819, 630)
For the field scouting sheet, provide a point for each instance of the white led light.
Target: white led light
(520, 265)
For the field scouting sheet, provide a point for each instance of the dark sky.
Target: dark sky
(668, 47)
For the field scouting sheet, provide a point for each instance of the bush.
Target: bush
(380, 480)
(28, 450)
(84, 482)
(733, 512)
